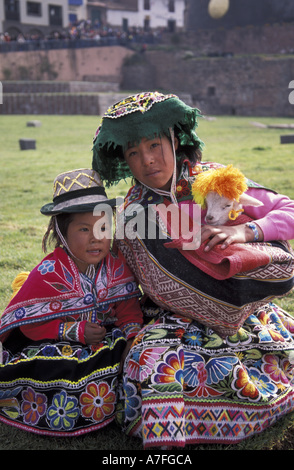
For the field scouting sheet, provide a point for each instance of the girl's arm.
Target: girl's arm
(57, 330)
(129, 317)
(275, 221)
(275, 217)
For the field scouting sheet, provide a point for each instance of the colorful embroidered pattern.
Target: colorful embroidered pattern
(221, 376)
(141, 102)
(62, 387)
(184, 384)
(59, 290)
(38, 397)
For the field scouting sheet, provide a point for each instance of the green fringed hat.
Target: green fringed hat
(130, 120)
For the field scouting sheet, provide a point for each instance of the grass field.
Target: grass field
(65, 142)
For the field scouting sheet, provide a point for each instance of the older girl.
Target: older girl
(215, 363)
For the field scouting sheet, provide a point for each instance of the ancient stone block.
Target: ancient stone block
(27, 144)
(287, 139)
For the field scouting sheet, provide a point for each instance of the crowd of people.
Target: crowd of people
(87, 31)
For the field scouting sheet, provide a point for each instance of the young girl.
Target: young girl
(66, 330)
(215, 365)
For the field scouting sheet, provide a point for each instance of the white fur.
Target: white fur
(218, 207)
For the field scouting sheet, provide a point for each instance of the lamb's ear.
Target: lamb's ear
(247, 200)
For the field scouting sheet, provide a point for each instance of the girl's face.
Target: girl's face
(81, 240)
(152, 162)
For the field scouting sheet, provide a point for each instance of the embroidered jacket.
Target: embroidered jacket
(57, 300)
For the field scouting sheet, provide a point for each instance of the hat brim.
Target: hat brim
(49, 209)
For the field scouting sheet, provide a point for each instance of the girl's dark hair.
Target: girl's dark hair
(51, 235)
(193, 153)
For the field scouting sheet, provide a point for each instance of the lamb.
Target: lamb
(222, 192)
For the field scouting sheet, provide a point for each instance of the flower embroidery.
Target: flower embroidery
(265, 320)
(98, 401)
(66, 350)
(147, 361)
(287, 321)
(196, 169)
(246, 388)
(182, 188)
(132, 401)
(19, 313)
(34, 406)
(171, 369)
(63, 412)
(7, 397)
(264, 328)
(272, 368)
(88, 299)
(148, 198)
(262, 382)
(130, 287)
(252, 383)
(49, 351)
(277, 320)
(47, 266)
(102, 293)
(55, 306)
(193, 338)
(84, 354)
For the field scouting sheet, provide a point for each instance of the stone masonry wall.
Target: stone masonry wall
(266, 39)
(247, 85)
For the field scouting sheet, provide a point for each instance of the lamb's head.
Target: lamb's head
(223, 192)
(220, 208)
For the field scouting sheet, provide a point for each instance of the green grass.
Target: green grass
(65, 142)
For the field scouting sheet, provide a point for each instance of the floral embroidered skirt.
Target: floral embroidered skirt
(59, 389)
(184, 384)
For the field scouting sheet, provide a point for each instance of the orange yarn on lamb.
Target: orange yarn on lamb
(226, 181)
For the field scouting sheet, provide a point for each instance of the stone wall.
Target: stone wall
(247, 85)
(50, 103)
(97, 63)
(266, 39)
(58, 103)
(28, 86)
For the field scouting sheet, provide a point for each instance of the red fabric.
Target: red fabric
(38, 331)
(223, 263)
(49, 330)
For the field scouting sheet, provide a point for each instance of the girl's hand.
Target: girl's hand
(227, 234)
(94, 333)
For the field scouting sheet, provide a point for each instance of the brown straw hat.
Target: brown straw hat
(77, 191)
